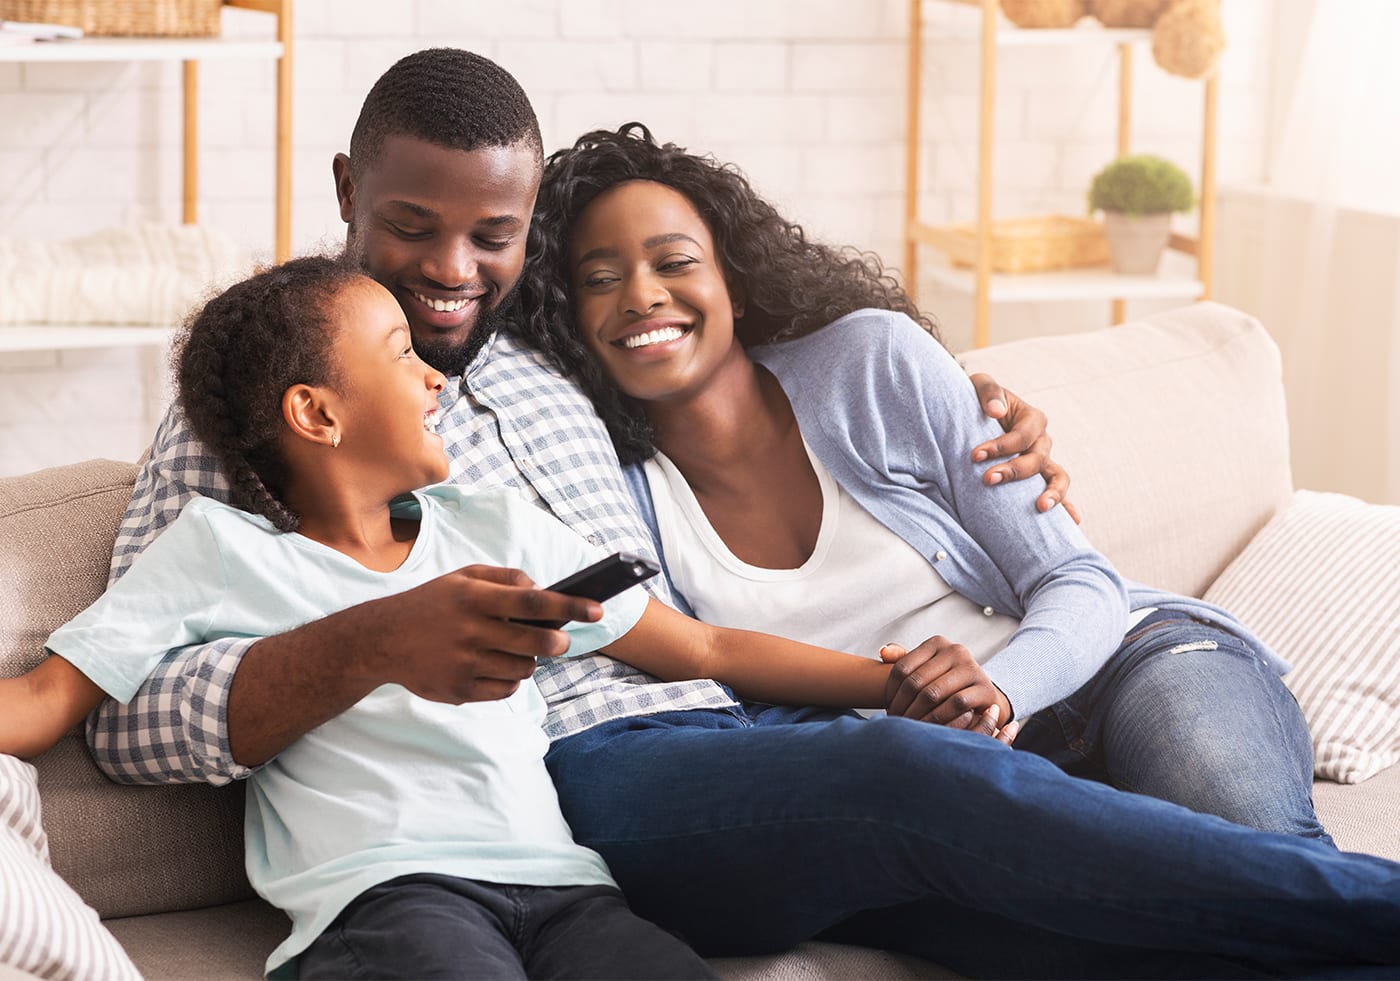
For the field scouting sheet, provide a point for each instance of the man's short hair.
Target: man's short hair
(448, 97)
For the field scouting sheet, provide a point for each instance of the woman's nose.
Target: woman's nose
(643, 295)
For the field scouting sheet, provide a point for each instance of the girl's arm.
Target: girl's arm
(38, 707)
(760, 667)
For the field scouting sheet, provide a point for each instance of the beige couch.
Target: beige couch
(1173, 429)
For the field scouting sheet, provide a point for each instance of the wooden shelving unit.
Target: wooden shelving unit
(189, 52)
(986, 287)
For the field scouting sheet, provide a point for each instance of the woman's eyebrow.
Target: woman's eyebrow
(665, 238)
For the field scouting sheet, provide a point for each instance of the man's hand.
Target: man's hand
(1026, 441)
(451, 639)
(939, 682)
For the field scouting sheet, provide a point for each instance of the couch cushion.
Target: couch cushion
(1321, 585)
(126, 850)
(233, 942)
(1173, 430)
(45, 927)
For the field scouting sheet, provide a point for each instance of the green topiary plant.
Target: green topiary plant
(1141, 185)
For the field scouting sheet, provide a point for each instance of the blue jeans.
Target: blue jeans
(1186, 712)
(752, 831)
(439, 926)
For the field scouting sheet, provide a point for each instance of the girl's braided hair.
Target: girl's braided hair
(791, 286)
(236, 357)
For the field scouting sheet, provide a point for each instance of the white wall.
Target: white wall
(807, 96)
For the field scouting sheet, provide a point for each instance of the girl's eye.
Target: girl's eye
(406, 352)
(598, 279)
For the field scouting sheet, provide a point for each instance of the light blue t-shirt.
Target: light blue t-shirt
(397, 784)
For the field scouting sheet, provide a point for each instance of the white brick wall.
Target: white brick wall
(807, 95)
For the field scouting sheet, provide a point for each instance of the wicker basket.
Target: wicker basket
(122, 18)
(1032, 244)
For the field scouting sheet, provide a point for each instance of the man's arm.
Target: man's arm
(1026, 441)
(173, 730)
(452, 639)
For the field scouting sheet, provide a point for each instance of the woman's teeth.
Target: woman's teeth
(659, 336)
(441, 306)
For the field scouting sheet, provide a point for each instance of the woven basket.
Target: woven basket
(1033, 244)
(122, 18)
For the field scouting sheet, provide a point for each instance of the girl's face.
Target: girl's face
(386, 398)
(650, 299)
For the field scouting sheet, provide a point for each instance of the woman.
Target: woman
(800, 438)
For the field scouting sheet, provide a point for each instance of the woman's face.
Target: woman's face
(385, 396)
(650, 299)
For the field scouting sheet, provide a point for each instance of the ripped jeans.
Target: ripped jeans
(1186, 712)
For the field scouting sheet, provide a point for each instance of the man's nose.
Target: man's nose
(451, 265)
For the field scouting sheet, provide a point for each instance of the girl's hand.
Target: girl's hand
(1026, 441)
(939, 682)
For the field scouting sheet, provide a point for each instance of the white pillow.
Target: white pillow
(45, 927)
(1320, 584)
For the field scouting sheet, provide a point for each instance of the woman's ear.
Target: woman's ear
(736, 302)
(310, 414)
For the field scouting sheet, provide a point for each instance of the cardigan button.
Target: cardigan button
(940, 555)
(988, 611)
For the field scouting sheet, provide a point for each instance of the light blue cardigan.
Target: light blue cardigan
(894, 418)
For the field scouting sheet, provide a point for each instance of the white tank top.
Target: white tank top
(862, 586)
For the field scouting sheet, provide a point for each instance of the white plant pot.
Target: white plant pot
(1135, 242)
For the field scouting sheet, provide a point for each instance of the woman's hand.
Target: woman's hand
(1026, 441)
(939, 682)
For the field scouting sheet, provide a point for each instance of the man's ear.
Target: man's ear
(310, 413)
(344, 187)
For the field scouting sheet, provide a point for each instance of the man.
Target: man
(742, 831)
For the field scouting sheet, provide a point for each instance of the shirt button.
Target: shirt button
(987, 611)
(526, 463)
(940, 555)
(596, 540)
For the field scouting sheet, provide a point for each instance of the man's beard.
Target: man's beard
(452, 357)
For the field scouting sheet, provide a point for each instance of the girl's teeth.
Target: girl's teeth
(659, 336)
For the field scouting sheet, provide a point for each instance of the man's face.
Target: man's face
(443, 231)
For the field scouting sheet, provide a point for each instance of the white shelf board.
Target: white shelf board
(56, 337)
(95, 49)
(1070, 284)
(1011, 36)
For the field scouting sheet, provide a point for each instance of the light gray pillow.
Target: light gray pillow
(45, 927)
(1320, 584)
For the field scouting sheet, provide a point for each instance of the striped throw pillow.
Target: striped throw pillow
(1320, 584)
(45, 927)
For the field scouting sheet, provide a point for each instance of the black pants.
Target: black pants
(438, 926)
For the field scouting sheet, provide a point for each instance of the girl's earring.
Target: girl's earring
(335, 441)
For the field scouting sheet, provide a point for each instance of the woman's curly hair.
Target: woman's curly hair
(236, 357)
(791, 286)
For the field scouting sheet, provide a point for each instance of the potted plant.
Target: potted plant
(1138, 195)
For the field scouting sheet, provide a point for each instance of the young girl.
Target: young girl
(304, 380)
(802, 441)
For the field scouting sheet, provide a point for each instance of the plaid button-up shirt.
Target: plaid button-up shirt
(512, 420)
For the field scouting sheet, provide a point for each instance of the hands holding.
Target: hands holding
(454, 639)
(1026, 441)
(939, 682)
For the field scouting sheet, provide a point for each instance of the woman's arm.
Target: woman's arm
(38, 707)
(760, 667)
